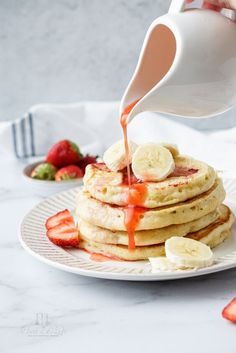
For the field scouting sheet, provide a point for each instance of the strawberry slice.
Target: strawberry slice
(63, 216)
(61, 229)
(229, 312)
(68, 173)
(64, 234)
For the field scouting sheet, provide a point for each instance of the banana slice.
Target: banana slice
(161, 263)
(152, 162)
(172, 148)
(188, 252)
(115, 158)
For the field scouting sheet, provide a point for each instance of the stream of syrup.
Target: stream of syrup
(136, 191)
(124, 123)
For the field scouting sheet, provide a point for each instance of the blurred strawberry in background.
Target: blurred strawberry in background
(88, 159)
(64, 153)
(64, 161)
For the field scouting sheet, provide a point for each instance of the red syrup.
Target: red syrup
(136, 191)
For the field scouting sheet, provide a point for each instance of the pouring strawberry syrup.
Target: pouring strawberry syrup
(136, 191)
(123, 122)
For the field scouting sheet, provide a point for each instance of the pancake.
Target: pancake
(190, 179)
(145, 237)
(212, 235)
(112, 217)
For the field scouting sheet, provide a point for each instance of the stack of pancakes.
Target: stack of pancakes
(188, 203)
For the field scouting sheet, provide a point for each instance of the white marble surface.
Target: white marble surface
(93, 315)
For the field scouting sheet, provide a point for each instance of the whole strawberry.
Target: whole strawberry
(68, 173)
(84, 161)
(44, 171)
(64, 153)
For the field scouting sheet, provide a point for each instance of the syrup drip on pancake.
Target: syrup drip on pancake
(101, 166)
(183, 171)
(136, 191)
(136, 195)
(123, 122)
(178, 172)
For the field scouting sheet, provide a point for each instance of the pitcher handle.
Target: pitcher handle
(176, 6)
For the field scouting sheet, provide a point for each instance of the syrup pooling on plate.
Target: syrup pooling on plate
(97, 257)
(136, 191)
(102, 258)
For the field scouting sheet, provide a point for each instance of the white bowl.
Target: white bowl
(48, 187)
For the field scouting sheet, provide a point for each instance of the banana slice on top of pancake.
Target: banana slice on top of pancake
(115, 157)
(171, 147)
(152, 162)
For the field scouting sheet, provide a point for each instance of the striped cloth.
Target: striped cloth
(34, 133)
(95, 126)
(23, 137)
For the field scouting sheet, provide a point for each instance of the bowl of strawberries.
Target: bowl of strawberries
(63, 168)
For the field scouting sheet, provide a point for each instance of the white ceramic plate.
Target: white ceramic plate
(34, 240)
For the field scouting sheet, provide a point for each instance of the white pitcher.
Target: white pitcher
(187, 65)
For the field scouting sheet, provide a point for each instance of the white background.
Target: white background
(61, 51)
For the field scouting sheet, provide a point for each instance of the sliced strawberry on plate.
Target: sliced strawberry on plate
(61, 229)
(229, 312)
(58, 218)
(64, 234)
